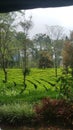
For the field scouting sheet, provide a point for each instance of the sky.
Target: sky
(62, 16)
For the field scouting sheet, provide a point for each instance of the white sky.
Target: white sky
(62, 16)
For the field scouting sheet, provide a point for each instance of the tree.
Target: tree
(6, 41)
(68, 56)
(56, 34)
(67, 53)
(45, 60)
(25, 25)
(20, 36)
(41, 42)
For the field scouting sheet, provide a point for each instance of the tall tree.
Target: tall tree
(25, 25)
(42, 42)
(56, 33)
(6, 40)
(21, 39)
(68, 53)
(68, 56)
(45, 60)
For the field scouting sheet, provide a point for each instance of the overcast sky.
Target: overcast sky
(62, 16)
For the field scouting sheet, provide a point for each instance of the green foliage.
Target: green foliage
(65, 87)
(16, 108)
(39, 83)
(43, 41)
(15, 114)
(15, 81)
(6, 41)
(55, 111)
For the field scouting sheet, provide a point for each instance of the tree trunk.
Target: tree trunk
(5, 75)
(24, 69)
(4, 69)
(55, 64)
(24, 65)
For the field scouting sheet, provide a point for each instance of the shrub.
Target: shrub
(16, 114)
(55, 111)
(65, 84)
